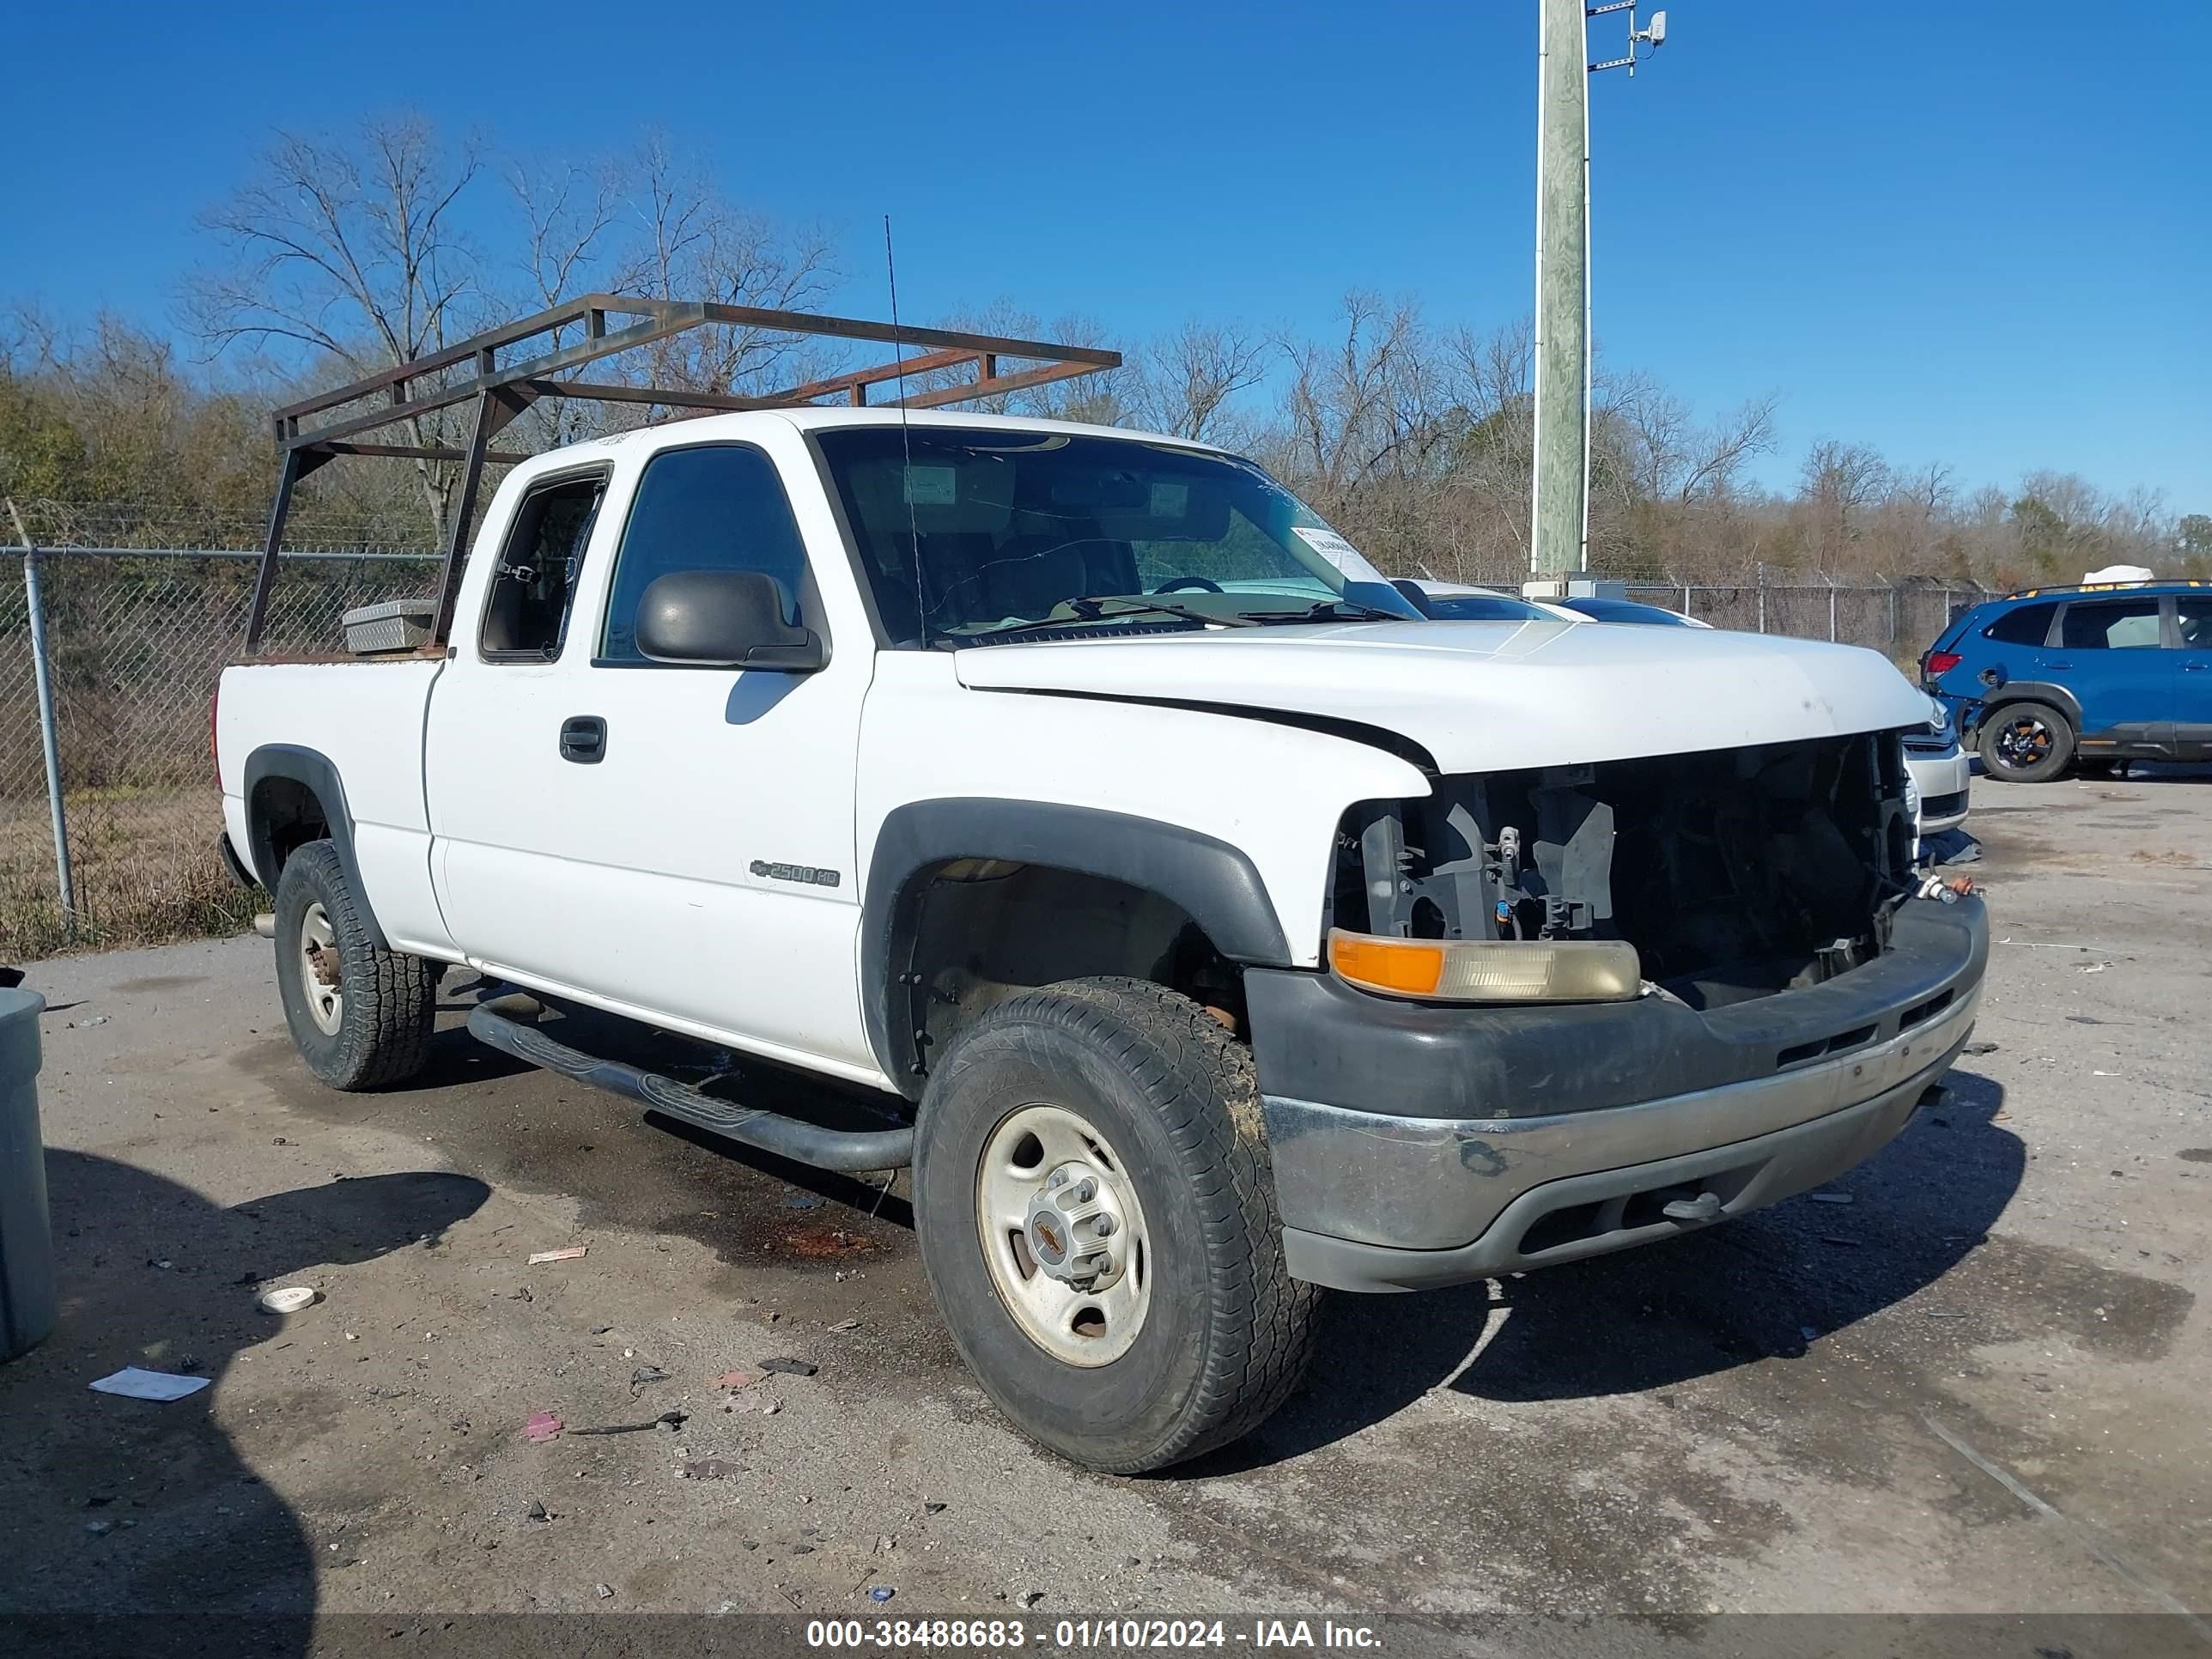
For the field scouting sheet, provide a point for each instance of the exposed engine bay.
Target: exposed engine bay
(1735, 874)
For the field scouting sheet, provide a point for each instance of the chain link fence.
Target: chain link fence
(135, 638)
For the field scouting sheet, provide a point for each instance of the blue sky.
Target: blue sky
(1961, 232)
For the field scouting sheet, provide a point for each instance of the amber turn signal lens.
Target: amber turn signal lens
(1410, 967)
(1489, 971)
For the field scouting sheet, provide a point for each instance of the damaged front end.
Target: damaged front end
(1729, 874)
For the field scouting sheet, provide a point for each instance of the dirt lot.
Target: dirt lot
(1977, 1386)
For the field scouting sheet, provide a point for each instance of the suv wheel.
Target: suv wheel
(1097, 1218)
(2026, 743)
(359, 1017)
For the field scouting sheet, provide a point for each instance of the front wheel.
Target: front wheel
(1096, 1217)
(361, 1017)
(2026, 743)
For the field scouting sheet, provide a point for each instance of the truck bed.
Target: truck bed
(366, 716)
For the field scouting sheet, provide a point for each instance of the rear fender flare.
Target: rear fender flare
(315, 772)
(2013, 691)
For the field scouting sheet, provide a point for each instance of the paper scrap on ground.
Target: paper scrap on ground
(568, 1254)
(132, 1383)
(540, 1427)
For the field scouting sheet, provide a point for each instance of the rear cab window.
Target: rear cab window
(533, 586)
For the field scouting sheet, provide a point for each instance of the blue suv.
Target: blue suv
(2044, 678)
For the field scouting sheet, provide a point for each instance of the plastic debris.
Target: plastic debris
(802, 1202)
(568, 1254)
(932, 1509)
(604, 1591)
(789, 1367)
(880, 1592)
(1829, 1198)
(537, 1511)
(289, 1298)
(760, 1403)
(735, 1380)
(1979, 1048)
(1031, 1598)
(846, 1325)
(540, 1427)
(99, 1528)
(645, 1374)
(673, 1420)
(134, 1383)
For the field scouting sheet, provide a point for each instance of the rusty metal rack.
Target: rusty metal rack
(503, 390)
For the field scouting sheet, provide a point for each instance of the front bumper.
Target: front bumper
(1445, 1144)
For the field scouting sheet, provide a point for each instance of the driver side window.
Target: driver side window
(720, 507)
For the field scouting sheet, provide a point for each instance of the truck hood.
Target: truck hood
(1488, 697)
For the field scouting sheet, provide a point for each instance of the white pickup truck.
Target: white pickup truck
(1214, 927)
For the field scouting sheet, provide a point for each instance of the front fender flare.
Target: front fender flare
(1217, 884)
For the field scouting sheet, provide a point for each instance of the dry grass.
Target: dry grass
(146, 872)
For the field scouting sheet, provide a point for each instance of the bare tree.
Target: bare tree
(688, 242)
(1189, 380)
(1838, 483)
(353, 254)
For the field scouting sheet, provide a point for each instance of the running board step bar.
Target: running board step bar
(849, 1152)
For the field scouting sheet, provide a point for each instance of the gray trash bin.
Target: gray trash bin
(27, 1234)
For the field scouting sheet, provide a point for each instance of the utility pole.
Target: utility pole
(1558, 518)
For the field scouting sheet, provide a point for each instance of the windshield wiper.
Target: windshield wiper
(1330, 610)
(1093, 609)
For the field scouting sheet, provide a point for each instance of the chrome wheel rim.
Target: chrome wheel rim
(318, 971)
(1063, 1235)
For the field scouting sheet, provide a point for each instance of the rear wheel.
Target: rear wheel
(2026, 743)
(1096, 1217)
(361, 1017)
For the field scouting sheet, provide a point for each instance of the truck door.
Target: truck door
(671, 841)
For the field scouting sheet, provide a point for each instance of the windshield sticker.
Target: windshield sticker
(1170, 500)
(932, 486)
(1326, 543)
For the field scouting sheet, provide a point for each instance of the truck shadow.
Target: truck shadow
(1766, 1286)
(137, 1512)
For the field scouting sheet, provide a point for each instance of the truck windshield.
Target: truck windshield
(966, 532)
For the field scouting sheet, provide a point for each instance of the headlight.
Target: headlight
(1941, 726)
(1488, 970)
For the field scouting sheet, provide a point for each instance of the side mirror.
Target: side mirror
(1409, 591)
(723, 619)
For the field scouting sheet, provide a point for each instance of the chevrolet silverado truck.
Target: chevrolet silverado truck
(1212, 928)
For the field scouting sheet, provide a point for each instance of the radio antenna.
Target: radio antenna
(906, 439)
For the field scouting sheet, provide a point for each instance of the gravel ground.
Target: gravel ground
(1976, 1387)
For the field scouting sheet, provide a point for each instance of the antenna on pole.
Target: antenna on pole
(905, 441)
(1559, 508)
